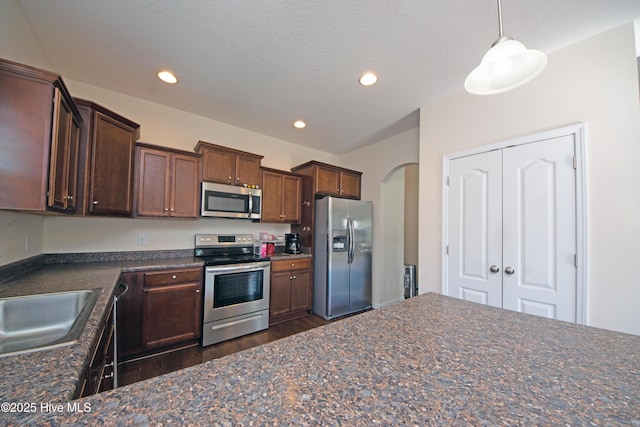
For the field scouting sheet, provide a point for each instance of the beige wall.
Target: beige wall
(594, 81)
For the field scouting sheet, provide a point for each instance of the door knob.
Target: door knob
(494, 269)
(509, 270)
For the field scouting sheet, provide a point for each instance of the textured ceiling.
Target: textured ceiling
(261, 64)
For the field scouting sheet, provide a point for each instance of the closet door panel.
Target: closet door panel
(475, 228)
(539, 232)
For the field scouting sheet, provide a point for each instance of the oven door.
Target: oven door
(235, 289)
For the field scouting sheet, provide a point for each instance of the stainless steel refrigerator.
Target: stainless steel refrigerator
(342, 257)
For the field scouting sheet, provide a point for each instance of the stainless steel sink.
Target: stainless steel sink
(44, 321)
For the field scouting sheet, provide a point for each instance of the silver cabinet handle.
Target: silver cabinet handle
(509, 270)
(494, 269)
(95, 202)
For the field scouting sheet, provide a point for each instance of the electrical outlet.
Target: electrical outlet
(142, 239)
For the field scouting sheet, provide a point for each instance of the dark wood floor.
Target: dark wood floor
(192, 354)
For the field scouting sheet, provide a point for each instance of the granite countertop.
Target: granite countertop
(430, 360)
(284, 256)
(52, 376)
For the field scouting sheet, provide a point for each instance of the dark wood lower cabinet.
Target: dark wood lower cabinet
(98, 375)
(161, 308)
(170, 314)
(291, 289)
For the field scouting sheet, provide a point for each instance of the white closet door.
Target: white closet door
(475, 228)
(539, 229)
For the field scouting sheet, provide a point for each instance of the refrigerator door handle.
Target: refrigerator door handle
(350, 243)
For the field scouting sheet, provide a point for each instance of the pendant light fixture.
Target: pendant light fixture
(507, 65)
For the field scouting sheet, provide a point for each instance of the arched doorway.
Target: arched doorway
(399, 215)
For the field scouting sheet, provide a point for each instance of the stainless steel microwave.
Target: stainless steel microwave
(228, 201)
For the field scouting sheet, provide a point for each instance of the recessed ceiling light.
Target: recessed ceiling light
(167, 77)
(299, 124)
(368, 79)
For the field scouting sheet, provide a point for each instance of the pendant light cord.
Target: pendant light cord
(500, 33)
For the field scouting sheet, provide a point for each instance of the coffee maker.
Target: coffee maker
(292, 243)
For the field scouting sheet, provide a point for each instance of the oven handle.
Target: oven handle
(248, 267)
(236, 322)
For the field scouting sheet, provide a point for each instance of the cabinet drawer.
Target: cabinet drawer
(291, 264)
(164, 277)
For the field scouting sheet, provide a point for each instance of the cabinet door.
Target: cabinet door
(271, 197)
(112, 167)
(153, 182)
(349, 185)
(218, 166)
(280, 294)
(247, 170)
(301, 290)
(170, 314)
(73, 159)
(327, 181)
(291, 199)
(130, 315)
(184, 186)
(63, 167)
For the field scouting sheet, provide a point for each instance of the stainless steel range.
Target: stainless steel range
(236, 287)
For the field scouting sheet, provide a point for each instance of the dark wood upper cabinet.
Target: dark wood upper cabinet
(329, 180)
(228, 166)
(167, 182)
(63, 170)
(281, 196)
(39, 125)
(321, 179)
(107, 153)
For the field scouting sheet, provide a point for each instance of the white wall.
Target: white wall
(21, 236)
(18, 44)
(168, 127)
(160, 125)
(377, 162)
(411, 213)
(392, 217)
(594, 81)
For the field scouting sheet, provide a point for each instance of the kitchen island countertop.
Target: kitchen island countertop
(430, 360)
